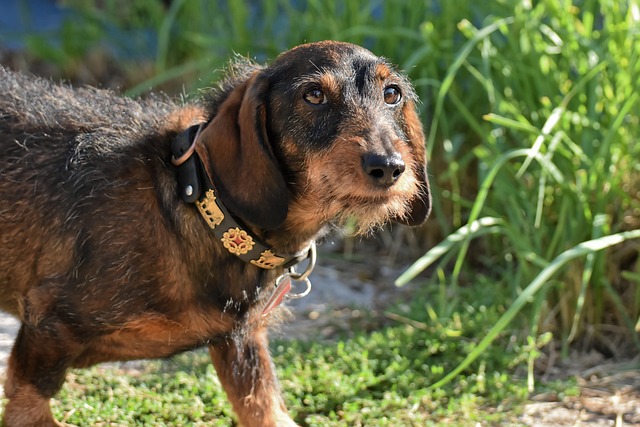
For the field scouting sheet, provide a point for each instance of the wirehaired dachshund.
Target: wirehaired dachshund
(134, 229)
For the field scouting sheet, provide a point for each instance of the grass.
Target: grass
(552, 154)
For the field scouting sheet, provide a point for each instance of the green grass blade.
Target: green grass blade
(599, 223)
(549, 125)
(476, 228)
(484, 192)
(453, 70)
(622, 311)
(557, 113)
(510, 123)
(164, 35)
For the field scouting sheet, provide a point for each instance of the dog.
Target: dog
(135, 229)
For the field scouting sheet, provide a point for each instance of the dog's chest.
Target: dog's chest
(157, 336)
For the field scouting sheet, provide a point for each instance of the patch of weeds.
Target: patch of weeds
(382, 378)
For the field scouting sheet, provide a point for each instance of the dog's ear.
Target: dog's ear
(240, 160)
(420, 205)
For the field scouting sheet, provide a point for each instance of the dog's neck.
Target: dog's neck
(196, 186)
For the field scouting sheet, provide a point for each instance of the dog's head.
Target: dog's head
(327, 132)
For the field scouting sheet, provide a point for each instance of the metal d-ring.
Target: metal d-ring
(292, 295)
(304, 276)
(307, 271)
(185, 156)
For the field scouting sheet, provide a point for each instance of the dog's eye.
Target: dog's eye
(315, 97)
(392, 95)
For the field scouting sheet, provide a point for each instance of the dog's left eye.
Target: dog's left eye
(315, 97)
(392, 95)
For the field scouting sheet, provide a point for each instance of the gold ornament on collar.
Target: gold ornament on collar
(237, 241)
(268, 260)
(209, 209)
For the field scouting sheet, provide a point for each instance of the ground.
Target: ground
(609, 392)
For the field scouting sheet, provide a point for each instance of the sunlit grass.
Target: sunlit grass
(378, 379)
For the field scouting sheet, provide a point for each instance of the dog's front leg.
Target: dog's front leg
(35, 372)
(247, 374)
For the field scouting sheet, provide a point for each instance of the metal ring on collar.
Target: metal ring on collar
(185, 156)
(291, 295)
(307, 271)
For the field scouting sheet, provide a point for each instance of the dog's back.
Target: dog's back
(30, 103)
(62, 150)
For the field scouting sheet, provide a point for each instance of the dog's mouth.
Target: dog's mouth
(368, 211)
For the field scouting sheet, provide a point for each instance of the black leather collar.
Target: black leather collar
(195, 186)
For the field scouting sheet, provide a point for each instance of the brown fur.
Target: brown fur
(101, 260)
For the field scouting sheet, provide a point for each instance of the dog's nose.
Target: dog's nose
(384, 170)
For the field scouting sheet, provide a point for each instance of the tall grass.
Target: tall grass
(546, 105)
(532, 111)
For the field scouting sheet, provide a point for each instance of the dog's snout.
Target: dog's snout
(385, 169)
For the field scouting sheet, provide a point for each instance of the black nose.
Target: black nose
(384, 170)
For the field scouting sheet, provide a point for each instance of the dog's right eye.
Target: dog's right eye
(392, 95)
(315, 97)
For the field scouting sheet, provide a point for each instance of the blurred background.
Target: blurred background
(531, 110)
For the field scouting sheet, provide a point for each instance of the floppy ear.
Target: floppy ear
(420, 205)
(239, 159)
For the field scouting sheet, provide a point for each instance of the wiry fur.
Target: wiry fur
(101, 260)
(237, 71)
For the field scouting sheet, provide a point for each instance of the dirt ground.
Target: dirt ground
(609, 395)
